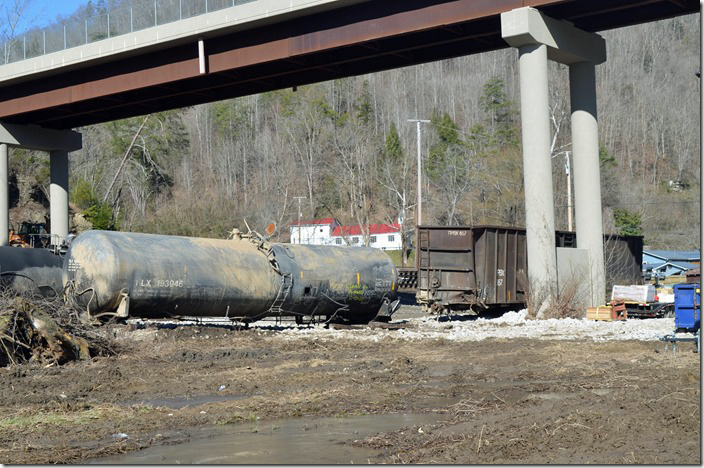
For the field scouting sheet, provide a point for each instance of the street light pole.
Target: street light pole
(299, 217)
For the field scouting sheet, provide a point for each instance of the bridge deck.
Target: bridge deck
(329, 39)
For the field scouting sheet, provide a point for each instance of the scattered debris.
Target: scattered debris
(45, 332)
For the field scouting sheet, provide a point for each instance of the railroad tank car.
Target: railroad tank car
(34, 271)
(244, 279)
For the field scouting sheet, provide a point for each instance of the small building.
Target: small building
(694, 275)
(381, 236)
(315, 231)
(664, 263)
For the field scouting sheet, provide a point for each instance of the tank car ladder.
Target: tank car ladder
(282, 295)
(423, 257)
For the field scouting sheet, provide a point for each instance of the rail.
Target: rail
(74, 33)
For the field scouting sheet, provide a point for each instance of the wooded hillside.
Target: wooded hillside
(348, 148)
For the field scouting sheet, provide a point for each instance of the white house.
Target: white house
(381, 236)
(328, 231)
(316, 231)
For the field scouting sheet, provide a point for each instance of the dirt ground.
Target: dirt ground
(503, 400)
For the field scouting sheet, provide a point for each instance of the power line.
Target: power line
(647, 203)
(659, 203)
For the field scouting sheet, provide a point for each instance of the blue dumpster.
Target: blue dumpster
(687, 310)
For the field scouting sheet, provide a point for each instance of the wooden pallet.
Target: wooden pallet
(608, 313)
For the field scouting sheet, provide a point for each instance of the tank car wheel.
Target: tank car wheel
(437, 309)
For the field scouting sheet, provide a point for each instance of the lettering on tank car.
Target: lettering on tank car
(159, 283)
(73, 265)
(169, 283)
(381, 284)
(361, 293)
(356, 292)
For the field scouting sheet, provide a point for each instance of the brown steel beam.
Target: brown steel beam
(119, 83)
(404, 22)
(367, 37)
(399, 23)
(266, 79)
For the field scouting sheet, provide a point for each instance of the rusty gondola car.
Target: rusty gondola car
(243, 279)
(477, 268)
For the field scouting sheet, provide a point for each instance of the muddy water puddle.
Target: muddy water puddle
(178, 403)
(287, 441)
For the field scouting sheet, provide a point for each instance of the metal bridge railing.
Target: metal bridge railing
(75, 33)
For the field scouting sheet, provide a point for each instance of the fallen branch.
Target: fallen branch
(570, 424)
(479, 445)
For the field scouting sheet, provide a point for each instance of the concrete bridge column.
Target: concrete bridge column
(4, 195)
(58, 143)
(587, 183)
(537, 173)
(539, 38)
(58, 196)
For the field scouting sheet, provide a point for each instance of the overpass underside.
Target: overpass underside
(366, 36)
(362, 37)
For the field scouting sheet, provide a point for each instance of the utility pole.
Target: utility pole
(569, 191)
(299, 217)
(569, 187)
(419, 212)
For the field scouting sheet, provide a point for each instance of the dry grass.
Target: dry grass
(543, 304)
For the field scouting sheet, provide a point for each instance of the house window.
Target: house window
(372, 239)
(338, 241)
(391, 238)
(355, 240)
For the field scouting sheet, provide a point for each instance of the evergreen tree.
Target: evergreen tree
(500, 112)
(628, 222)
(447, 145)
(393, 151)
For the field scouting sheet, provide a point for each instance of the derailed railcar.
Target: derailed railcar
(470, 267)
(30, 271)
(623, 256)
(483, 267)
(243, 279)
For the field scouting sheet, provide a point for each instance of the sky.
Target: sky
(43, 12)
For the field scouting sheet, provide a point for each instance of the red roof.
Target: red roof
(373, 229)
(314, 222)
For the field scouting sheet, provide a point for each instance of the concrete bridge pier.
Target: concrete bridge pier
(539, 38)
(58, 143)
(58, 196)
(537, 173)
(587, 180)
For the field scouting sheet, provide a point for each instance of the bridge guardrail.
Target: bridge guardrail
(107, 25)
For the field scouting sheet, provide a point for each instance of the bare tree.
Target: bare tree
(15, 17)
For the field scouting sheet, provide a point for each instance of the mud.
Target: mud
(293, 441)
(497, 400)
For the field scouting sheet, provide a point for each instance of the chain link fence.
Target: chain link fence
(75, 33)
